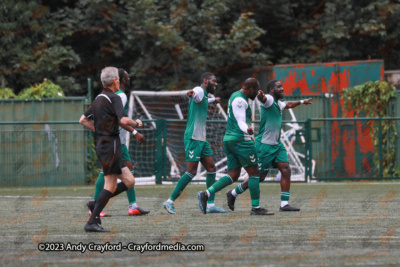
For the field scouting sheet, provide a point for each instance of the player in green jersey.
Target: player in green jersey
(197, 147)
(239, 148)
(271, 152)
(134, 209)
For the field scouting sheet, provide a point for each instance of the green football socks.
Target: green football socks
(219, 185)
(182, 183)
(254, 187)
(210, 180)
(130, 193)
(99, 185)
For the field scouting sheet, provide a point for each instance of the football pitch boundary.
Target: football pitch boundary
(345, 223)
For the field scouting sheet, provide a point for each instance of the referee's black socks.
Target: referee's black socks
(101, 202)
(121, 187)
(103, 198)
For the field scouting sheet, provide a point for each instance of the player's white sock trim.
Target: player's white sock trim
(230, 178)
(234, 193)
(284, 203)
(133, 206)
(170, 201)
(241, 188)
(209, 205)
(189, 174)
(208, 193)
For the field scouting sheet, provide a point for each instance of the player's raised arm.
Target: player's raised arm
(261, 96)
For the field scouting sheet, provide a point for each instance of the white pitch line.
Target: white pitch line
(67, 197)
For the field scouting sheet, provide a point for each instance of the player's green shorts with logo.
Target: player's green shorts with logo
(195, 149)
(270, 155)
(240, 154)
(125, 153)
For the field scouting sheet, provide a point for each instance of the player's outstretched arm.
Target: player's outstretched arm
(215, 100)
(190, 94)
(87, 123)
(292, 104)
(261, 96)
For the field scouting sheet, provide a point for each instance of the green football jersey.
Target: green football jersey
(197, 117)
(124, 99)
(270, 124)
(233, 131)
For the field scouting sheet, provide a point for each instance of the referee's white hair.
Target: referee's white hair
(108, 74)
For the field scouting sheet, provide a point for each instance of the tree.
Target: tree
(31, 46)
(166, 45)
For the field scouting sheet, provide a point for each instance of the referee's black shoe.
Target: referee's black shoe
(231, 199)
(288, 208)
(202, 197)
(94, 227)
(260, 211)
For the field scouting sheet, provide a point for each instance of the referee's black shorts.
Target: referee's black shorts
(109, 152)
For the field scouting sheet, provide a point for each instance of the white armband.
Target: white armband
(134, 132)
(301, 101)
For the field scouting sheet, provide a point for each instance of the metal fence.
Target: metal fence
(42, 154)
(353, 148)
(59, 153)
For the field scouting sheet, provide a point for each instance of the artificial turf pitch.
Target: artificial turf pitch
(339, 224)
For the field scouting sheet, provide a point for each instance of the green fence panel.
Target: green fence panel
(46, 157)
(49, 109)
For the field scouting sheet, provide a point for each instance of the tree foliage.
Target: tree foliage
(6, 93)
(166, 45)
(46, 89)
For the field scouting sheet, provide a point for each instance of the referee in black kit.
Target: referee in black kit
(108, 113)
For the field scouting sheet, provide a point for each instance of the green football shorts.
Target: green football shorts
(125, 153)
(195, 149)
(270, 155)
(240, 154)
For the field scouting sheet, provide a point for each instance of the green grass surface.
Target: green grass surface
(339, 224)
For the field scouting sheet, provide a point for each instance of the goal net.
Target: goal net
(150, 106)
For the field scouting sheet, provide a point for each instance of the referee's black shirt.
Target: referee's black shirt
(106, 111)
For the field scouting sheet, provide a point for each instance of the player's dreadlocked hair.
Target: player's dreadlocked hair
(121, 73)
